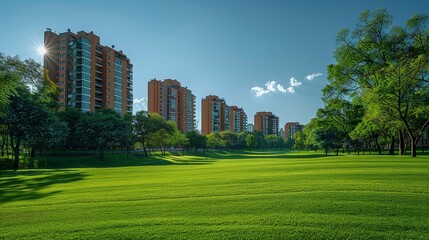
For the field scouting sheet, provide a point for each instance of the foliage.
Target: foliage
(300, 140)
(230, 139)
(251, 141)
(272, 140)
(215, 141)
(31, 124)
(386, 69)
(145, 125)
(102, 129)
(196, 140)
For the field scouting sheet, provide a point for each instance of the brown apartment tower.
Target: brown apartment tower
(214, 115)
(90, 76)
(291, 128)
(237, 119)
(266, 122)
(173, 102)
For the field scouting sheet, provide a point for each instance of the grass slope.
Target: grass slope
(245, 196)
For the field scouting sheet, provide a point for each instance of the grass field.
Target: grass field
(218, 196)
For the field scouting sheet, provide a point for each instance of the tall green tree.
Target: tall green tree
(215, 141)
(386, 68)
(145, 125)
(196, 140)
(103, 129)
(30, 124)
(251, 141)
(230, 138)
(72, 116)
(299, 140)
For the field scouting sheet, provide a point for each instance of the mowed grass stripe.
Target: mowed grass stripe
(274, 196)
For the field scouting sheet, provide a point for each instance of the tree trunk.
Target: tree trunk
(414, 141)
(2, 147)
(402, 145)
(378, 145)
(392, 147)
(16, 153)
(33, 153)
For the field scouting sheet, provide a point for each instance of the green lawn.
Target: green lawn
(217, 196)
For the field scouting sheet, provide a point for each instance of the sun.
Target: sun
(41, 50)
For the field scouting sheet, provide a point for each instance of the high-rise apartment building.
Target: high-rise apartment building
(237, 119)
(173, 102)
(214, 115)
(90, 76)
(291, 128)
(250, 127)
(266, 122)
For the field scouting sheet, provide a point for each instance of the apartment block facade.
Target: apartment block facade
(173, 102)
(214, 115)
(291, 128)
(237, 119)
(90, 76)
(267, 123)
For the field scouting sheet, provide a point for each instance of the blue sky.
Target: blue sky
(224, 48)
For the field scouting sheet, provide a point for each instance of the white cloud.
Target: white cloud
(140, 103)
(290, 89)
(313, 76)
(281, 88)
(271, 86)
(259, 91)
(294, 82)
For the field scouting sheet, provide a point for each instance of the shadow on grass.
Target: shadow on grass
(29, 184)
(156, 159)
(270, 155)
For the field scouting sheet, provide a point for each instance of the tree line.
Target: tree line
(378, 90)
(31, 120)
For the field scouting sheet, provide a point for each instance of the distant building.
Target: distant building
(291, 128)
(214, 115)
(250, 127)
(237, 119)
(282, 133)
(90, 76)
(173, 102)
(266, 122)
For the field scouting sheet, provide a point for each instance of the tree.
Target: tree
(196, 140)
(251, 141)
(180, 140)
(329, 138)
(387, 69)
(215, 141)
(145, 124)
(30, 124)
(272, 140)
(9, 80)
(164, 137)
(342, 115)
(103, 129)
(230, 139)
(72, 117)
(260, 139)
(299, 140)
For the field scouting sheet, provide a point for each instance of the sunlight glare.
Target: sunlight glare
(41, 50)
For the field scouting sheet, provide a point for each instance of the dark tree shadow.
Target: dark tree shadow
(27, 184)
